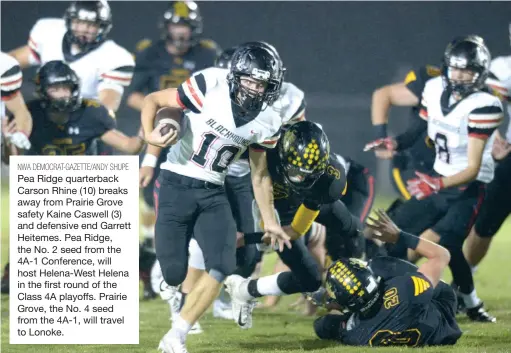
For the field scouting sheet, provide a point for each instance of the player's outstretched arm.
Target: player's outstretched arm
(437, 256)
(384, 97)
(152, 102)
(121, 142)
(263, 194)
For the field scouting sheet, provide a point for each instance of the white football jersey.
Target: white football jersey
(212, 138)
(290, 107)
(107, 66)
(479, 114)
(501, 84)
(10, 79)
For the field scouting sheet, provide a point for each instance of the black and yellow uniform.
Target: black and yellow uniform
(410, 312)
(88, 122)
(416, 151)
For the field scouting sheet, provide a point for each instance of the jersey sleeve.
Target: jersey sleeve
(293, 101)
(36, 40)
(117, 69)
(191, 93)
(413, 288)
(11, 79)
(483, 121)
(101, 119)
(416, 79)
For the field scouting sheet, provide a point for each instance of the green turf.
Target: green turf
(284, 330)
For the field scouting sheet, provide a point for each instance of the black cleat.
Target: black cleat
(479, 314)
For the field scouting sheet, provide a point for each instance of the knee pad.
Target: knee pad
(196, 259)
(217, 275)
(174, 272)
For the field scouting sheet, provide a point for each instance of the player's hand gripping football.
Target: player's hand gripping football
(276, 234)
(384, 148)
(424, 186)
(157, 139)
(383, 228)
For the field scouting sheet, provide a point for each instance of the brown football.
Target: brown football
(168, 118)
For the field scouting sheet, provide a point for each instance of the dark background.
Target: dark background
(337, 52)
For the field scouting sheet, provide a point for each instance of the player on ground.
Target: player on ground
(461, 119)
(63, 123)
(162, 64)
(496, 205)
(411, 309)
(222, 119)
(308, 184)
(81, 40)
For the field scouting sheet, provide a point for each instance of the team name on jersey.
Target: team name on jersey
(225, 132)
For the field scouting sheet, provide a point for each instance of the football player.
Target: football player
(412, 150)
(496, 205)
(461, 119)
(81, 40)
(222, 119)
(10, 82)
(289, 105)
(163, 64)
(308, 184)
(63, 123)
(407, 309)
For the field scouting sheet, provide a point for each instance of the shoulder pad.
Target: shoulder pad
(143, 44)
(209, 44)
(433, 71)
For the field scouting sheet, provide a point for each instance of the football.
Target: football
(168, 118)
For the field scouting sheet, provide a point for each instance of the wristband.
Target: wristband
(408, 240)
(149, 161)
(380, 131)
(303, 219)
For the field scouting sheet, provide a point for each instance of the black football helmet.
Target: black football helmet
(223, 60)
(469, 53)
(185, 13)
(259, 64)
(97, 12)
(303, 152)
(55, 73)
(353, 285)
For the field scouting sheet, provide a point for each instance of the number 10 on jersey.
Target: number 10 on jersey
(221, 155)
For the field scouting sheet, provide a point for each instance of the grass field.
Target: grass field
(284, 330)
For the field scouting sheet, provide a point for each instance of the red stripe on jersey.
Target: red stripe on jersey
(479, 136)
(270, 142)
(423, 113)
(35, 54)
(116, 77)
(194, 94)
(9, 97)
(178, 100)
(31, 41)
(13, 82)
(484, 121)
(498, 88)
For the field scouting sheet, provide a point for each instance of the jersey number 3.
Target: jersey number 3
(442, 150)
(224, 155)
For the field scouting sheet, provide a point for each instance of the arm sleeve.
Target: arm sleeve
(10, 82)
(104, 120)
(416, 127)
(191, 93)
(483, 121)
(117, 71)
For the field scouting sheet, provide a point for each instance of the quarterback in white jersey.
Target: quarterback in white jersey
(10, 84)
(222, 119)
(80, 39)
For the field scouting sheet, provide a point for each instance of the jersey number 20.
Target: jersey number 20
(224, 155)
